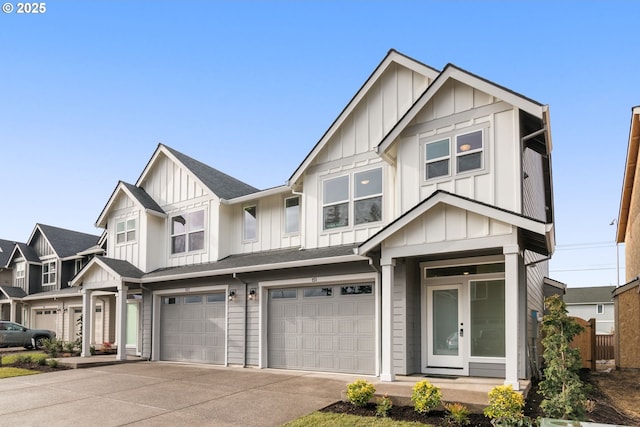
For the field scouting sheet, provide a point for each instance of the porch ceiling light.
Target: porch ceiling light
(465, 147)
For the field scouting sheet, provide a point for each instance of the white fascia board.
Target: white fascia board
(258, 195)
(468, 205)
(101, 222)
(78, 279)
(250, 269)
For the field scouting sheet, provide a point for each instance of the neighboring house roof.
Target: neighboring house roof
(136, 194)
(538, 236)
(6, 247)
(589, 295)
(629, 174)
(65, 242)
(13, 292)
(392, 56)
(26, 251)
(62, 293)
(234, 264)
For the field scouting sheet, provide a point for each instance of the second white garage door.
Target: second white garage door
(192, 328)
(46, 319)
(328, 328)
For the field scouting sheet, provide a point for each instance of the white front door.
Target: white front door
(446, 330)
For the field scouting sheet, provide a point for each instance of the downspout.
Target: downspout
(246, 317)
(378, 270)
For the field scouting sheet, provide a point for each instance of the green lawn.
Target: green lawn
(9, 371)
(34, 356)
(328, 419)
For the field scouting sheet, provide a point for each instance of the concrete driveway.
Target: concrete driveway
(165, 394)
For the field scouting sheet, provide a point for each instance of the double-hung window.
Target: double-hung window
(341, 201)
(20, 270)
(125, 231)
(49, 273)
(250, 222)
(187, 232)
(468, 154)
(292, 215)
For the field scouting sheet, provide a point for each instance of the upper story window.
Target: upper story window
(78, 265)
(49, 273)
(365, 205)
(292, 215)
(187, 232)
(468, 152)
(250, 222)
(600, 309)
(125, 231)
(20, 270)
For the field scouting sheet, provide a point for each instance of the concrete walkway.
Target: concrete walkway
(110, 393)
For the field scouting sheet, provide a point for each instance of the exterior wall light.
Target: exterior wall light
(232, 295)
(252, 294)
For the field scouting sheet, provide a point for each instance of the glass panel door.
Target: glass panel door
(446, 329)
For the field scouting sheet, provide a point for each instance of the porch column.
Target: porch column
(87, 323)
(511, 314)
(386, 372)
(121, 322)
(12, 310)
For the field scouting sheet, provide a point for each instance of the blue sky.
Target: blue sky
(90, 88)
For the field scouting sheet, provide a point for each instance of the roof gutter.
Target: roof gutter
(252, 196)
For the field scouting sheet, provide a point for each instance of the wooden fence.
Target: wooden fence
(604, 347)
(592, 347)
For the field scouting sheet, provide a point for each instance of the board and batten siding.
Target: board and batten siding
(352, 147)
(454, 110)
(170, 184)
(271, 230)
(533, 203)
(406, 319)
(447, 223)
(125, 209)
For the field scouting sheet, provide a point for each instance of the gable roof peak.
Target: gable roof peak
(222, 185)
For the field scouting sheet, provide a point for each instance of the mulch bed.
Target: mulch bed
(604, 412)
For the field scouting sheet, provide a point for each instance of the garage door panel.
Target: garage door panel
(193, 328)
(333, 331)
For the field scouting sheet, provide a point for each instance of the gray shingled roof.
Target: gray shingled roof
(143, 197)
(13, 292)
(28, 252)
(6, 247)
(222, 185)
(67, 242)
(123, 268)
(258, 259)
(589, 295)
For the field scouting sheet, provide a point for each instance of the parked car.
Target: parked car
(15, 335)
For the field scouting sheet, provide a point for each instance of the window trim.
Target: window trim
(49, 273)
(299, 214)
(599, 308)
(22, 270)
(126, 231)
(452, 136)
(245, 238)
(438, 159)
(352, 199)
(188, 231)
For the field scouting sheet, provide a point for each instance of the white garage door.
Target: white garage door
(327, 328)
(46, 319)
(192, 328)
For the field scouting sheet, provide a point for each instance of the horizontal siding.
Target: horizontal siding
(488, 370)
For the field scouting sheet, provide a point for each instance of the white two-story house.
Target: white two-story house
(413, 238)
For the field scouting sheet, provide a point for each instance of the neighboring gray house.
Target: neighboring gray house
(38, 294)
(413, 238)
(594, 302)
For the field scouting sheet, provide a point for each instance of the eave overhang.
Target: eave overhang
(101, 222)
(631, 165)
(537, 235)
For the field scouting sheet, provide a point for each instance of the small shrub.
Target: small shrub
(69, 347)
(383, 406)
(52, 346)
(23, 358)
(92, 350)
(425, 397)
(457, 414)
(505, 406)
(52, 363)
(360, 392)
